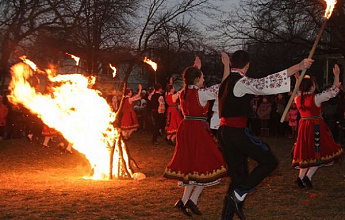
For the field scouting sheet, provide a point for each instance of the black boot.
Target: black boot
(179, 204)
(228, 210)
(237, 205)
(190, 205)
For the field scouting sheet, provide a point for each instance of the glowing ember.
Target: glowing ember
(150, 62)
(77, 59)
(79, 113)
(114, 70)
(330, 7)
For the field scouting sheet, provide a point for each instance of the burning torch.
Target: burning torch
(76, 59)
(328, 13)
(114, 70)
(153, 65)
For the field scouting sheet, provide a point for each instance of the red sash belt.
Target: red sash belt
(235, 122)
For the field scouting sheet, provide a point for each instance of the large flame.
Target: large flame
(76, 59)
(114, 69)
(78, 112)
(151, 63)
(330, 7)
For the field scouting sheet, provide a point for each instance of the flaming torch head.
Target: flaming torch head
(151, 63)
(330, 7)
(114, 69)
(77, 59)
(29, 62)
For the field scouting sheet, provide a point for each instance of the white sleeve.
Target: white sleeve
(209, 93)
(271, 84)
(326, 95)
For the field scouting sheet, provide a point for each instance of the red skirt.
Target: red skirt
(173, 120)
(197, 158)
(315, 145)
(129, 120)
(47, 131)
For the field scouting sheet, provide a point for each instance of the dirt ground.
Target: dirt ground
(37, 183)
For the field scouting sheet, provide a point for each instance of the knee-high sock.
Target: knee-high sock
(311, 172)
(302, 172)
(196, 193)
(186, 193)
(46, 140)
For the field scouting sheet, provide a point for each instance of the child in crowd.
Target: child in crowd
(292, 119)
(264, 112)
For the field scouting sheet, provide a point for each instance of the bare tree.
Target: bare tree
(294, 22)
(18, 21)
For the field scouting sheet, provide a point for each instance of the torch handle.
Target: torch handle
(311, 53)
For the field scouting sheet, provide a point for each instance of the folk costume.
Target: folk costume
(315, 145)
(173, 116)
(235, 107)
(197, 159)
(129, 119)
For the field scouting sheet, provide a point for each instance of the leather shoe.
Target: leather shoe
(307, 182)
(237, 204)
(191, 205)
(300, 183)
(179, 204)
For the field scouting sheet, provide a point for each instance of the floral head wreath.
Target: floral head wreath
(306, 77)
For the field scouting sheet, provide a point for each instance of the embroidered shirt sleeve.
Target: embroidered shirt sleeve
(209, 93)
(326, 95)
(271, 84)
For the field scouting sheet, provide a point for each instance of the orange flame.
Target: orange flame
(79, 113)
(77, 59)
(29, 62)
(150, 62)
(114, 70)
(330, 7)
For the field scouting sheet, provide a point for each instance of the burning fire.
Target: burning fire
(330, 7)
(114, 69)
(150, 62)
(77, 59)
(79, 113)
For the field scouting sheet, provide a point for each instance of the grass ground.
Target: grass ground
(37, 183)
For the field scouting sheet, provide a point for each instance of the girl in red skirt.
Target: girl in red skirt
(315, 145)
(129, 121)
(173, 114)
(197, 161)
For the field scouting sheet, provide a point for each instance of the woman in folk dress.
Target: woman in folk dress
(173, 117)
(315, 145)
(129, 121)
(197, 161)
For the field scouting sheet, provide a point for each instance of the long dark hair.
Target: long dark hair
(169, 87)
(128, 90)
(305, 86)
(189, 76)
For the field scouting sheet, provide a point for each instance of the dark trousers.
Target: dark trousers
(157, 124)
(237, 145)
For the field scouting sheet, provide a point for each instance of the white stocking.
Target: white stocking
(186, 193)
(46, 140)
(311, 172)
(196, 193)
(302, 172)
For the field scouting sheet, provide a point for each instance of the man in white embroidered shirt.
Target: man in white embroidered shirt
(235, 95)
